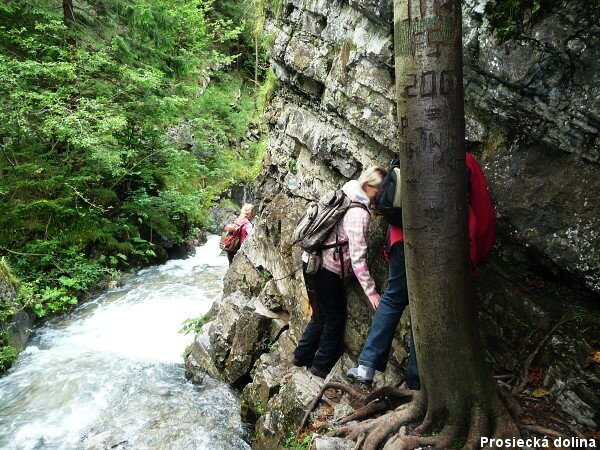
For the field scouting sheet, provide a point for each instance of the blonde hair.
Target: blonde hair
(372, 176)
(247, 210)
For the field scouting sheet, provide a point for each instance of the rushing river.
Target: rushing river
(111, 374)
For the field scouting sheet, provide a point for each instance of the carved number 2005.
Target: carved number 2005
(427, 84)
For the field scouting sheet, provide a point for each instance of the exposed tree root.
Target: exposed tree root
(388, 391)
(571, 428)
(480, 426)
(366, 411)
(425, 425)
(372, 428)
(354, 431)
(543, 431)
(331, 385)
(369, 407)
(525, 372)
(376, 430)
(504, 426)
(329, 402)
(442, 440)
(511, 403)
(373, 403)
(390, 423)
(359, 442)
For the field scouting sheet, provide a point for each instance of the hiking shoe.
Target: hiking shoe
(361, 374)
(318, 372)
(300, 363)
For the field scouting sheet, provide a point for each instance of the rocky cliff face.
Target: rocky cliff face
(532, 119)
(534, 104)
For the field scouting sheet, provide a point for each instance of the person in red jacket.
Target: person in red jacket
(377, 347)
(482, 216)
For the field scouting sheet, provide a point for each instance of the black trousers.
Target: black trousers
(321, 342)
(230, 256)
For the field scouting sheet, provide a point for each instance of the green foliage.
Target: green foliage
(194, 325)
(6, 275)
(303, 443)
(7, 310)
(66, 273)
(267, 90)
(507, 17)
(269, 40)
(275, 7)
(293, 166)
(220, 121)
(8, 354)
(91, 180)
(250, 14)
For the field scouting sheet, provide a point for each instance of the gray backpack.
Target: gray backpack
(317, 223)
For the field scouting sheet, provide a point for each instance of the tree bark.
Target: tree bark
(457, 391)
(69, 20)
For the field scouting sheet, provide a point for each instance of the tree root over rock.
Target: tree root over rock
(375, 424)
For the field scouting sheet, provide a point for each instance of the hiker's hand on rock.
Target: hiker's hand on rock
(374, 299)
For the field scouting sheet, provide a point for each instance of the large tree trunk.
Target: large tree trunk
(458, 395)
(430, 111)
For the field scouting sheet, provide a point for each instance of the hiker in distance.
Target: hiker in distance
(244, 228)
(482, 232)
(344, 248)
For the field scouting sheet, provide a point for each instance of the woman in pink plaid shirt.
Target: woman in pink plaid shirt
(320, 345)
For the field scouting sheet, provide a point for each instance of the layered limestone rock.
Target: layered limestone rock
(533, 121)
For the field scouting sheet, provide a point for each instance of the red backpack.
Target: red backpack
(482, 217)
(231, 236)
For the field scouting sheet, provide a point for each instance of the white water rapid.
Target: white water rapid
(111, 375)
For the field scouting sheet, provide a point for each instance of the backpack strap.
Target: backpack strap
(334, 245)
(337, 244)
(341, 253)
(354, 204)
